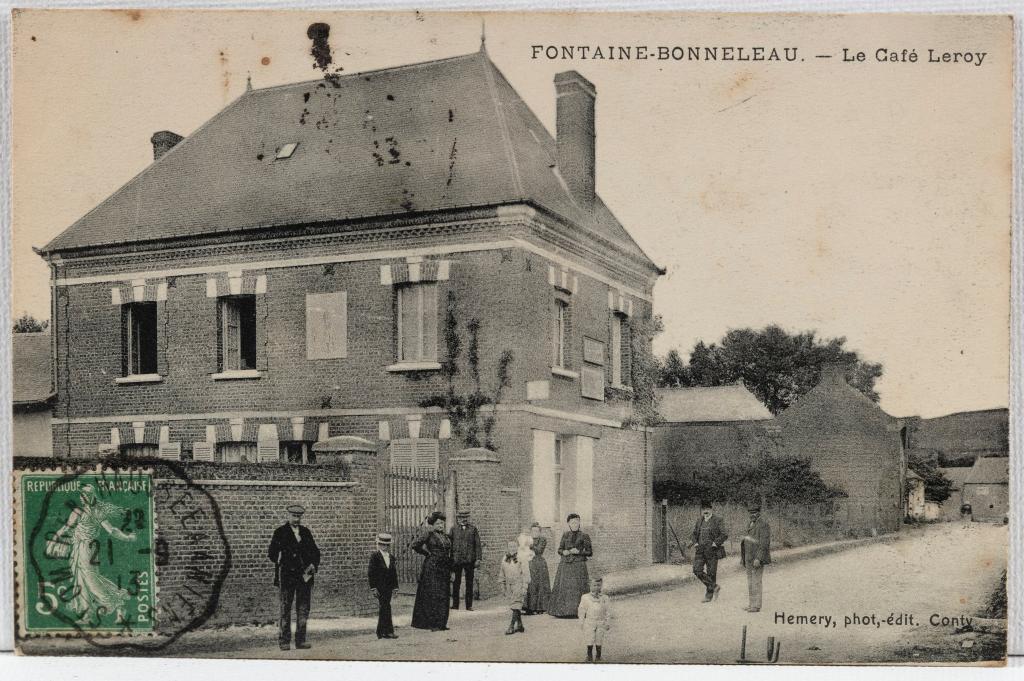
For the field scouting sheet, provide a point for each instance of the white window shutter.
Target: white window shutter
(326, 325)
(267, 447)
(585, 478)
(202, 451)
(427, 454)
(170, 450)
(544, 510)
(402, 454)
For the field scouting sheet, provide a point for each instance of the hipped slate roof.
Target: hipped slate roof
(435, 136)
(30, 368)
(989, 470)
(710, 404)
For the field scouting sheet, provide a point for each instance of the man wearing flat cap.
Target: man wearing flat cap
(383, 577)
(296, 559)
(755, 553)
(467, 553)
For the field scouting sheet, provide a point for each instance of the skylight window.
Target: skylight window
(286, 150)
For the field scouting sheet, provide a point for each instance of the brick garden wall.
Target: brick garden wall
(251, 500)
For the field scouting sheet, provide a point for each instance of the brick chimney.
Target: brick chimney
(833, 373)
(163, 141)
(575, 135)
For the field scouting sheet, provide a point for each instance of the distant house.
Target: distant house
(951, 506)
(853, 445)
(705, 426)
(987, 488)
(33, 394)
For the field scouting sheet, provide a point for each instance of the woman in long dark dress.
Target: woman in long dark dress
(539, 593)
(433, 593)
(571, 579)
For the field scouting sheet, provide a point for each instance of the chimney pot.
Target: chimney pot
(163, 141)
(575, 135)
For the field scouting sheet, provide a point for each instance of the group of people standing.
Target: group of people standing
(450, 556)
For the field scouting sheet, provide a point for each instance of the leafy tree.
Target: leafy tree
(673, 372)
(775, 365)
(937, 487)
(26, 323)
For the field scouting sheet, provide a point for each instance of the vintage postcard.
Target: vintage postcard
(667, 338)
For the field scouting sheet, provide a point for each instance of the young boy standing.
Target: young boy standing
(595, 616)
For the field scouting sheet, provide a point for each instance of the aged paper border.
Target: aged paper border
(255, 670)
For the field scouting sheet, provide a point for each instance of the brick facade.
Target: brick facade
(505, 264)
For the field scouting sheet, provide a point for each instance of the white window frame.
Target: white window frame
(558, 334)
(134, 365)
(234, 363)
(423, 353)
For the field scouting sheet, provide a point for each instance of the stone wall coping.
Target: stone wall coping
(259, 483)
(475, 454)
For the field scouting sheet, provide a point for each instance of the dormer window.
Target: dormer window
(286, 150)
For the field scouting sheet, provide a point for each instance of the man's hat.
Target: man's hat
(705, 504)
(383, 538)
(754, 506)
(462, 514)
(295, 508)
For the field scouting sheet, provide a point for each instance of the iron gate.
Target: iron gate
(411, 494)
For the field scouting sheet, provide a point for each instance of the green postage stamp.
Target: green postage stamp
(85, 553)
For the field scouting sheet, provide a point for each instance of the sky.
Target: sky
(864, 199)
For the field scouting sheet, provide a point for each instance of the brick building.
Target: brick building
(853, 445)
(286, 274)
(708, 426)
(32, 394)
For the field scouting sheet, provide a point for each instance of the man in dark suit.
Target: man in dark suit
(383, 577)
(296, 560)
(755, 553)
(467, 552)
(709, 538)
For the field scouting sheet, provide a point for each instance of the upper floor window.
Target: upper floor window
(559, 334)
(620, 350)
(139, 338)
(417, 322)
(237, 333)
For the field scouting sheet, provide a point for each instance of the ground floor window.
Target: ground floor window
(297, 451)
(236, 452)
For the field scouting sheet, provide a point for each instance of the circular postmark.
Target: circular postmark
(127, 554)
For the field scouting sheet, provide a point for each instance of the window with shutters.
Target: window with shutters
(560, 334)
(139, 338)
(326, 322)
(417, 323)
(415, 453)
(237, 333)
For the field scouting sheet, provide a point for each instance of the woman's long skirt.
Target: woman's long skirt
(433, 595)
(571, 582)
(539, 593)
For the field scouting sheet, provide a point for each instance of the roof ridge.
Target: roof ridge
(357, 74)
(502, 123)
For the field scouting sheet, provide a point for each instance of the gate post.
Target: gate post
(477, 472)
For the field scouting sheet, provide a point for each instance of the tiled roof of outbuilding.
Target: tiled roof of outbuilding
(435, 136)
(30, 368)
(724, 403)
